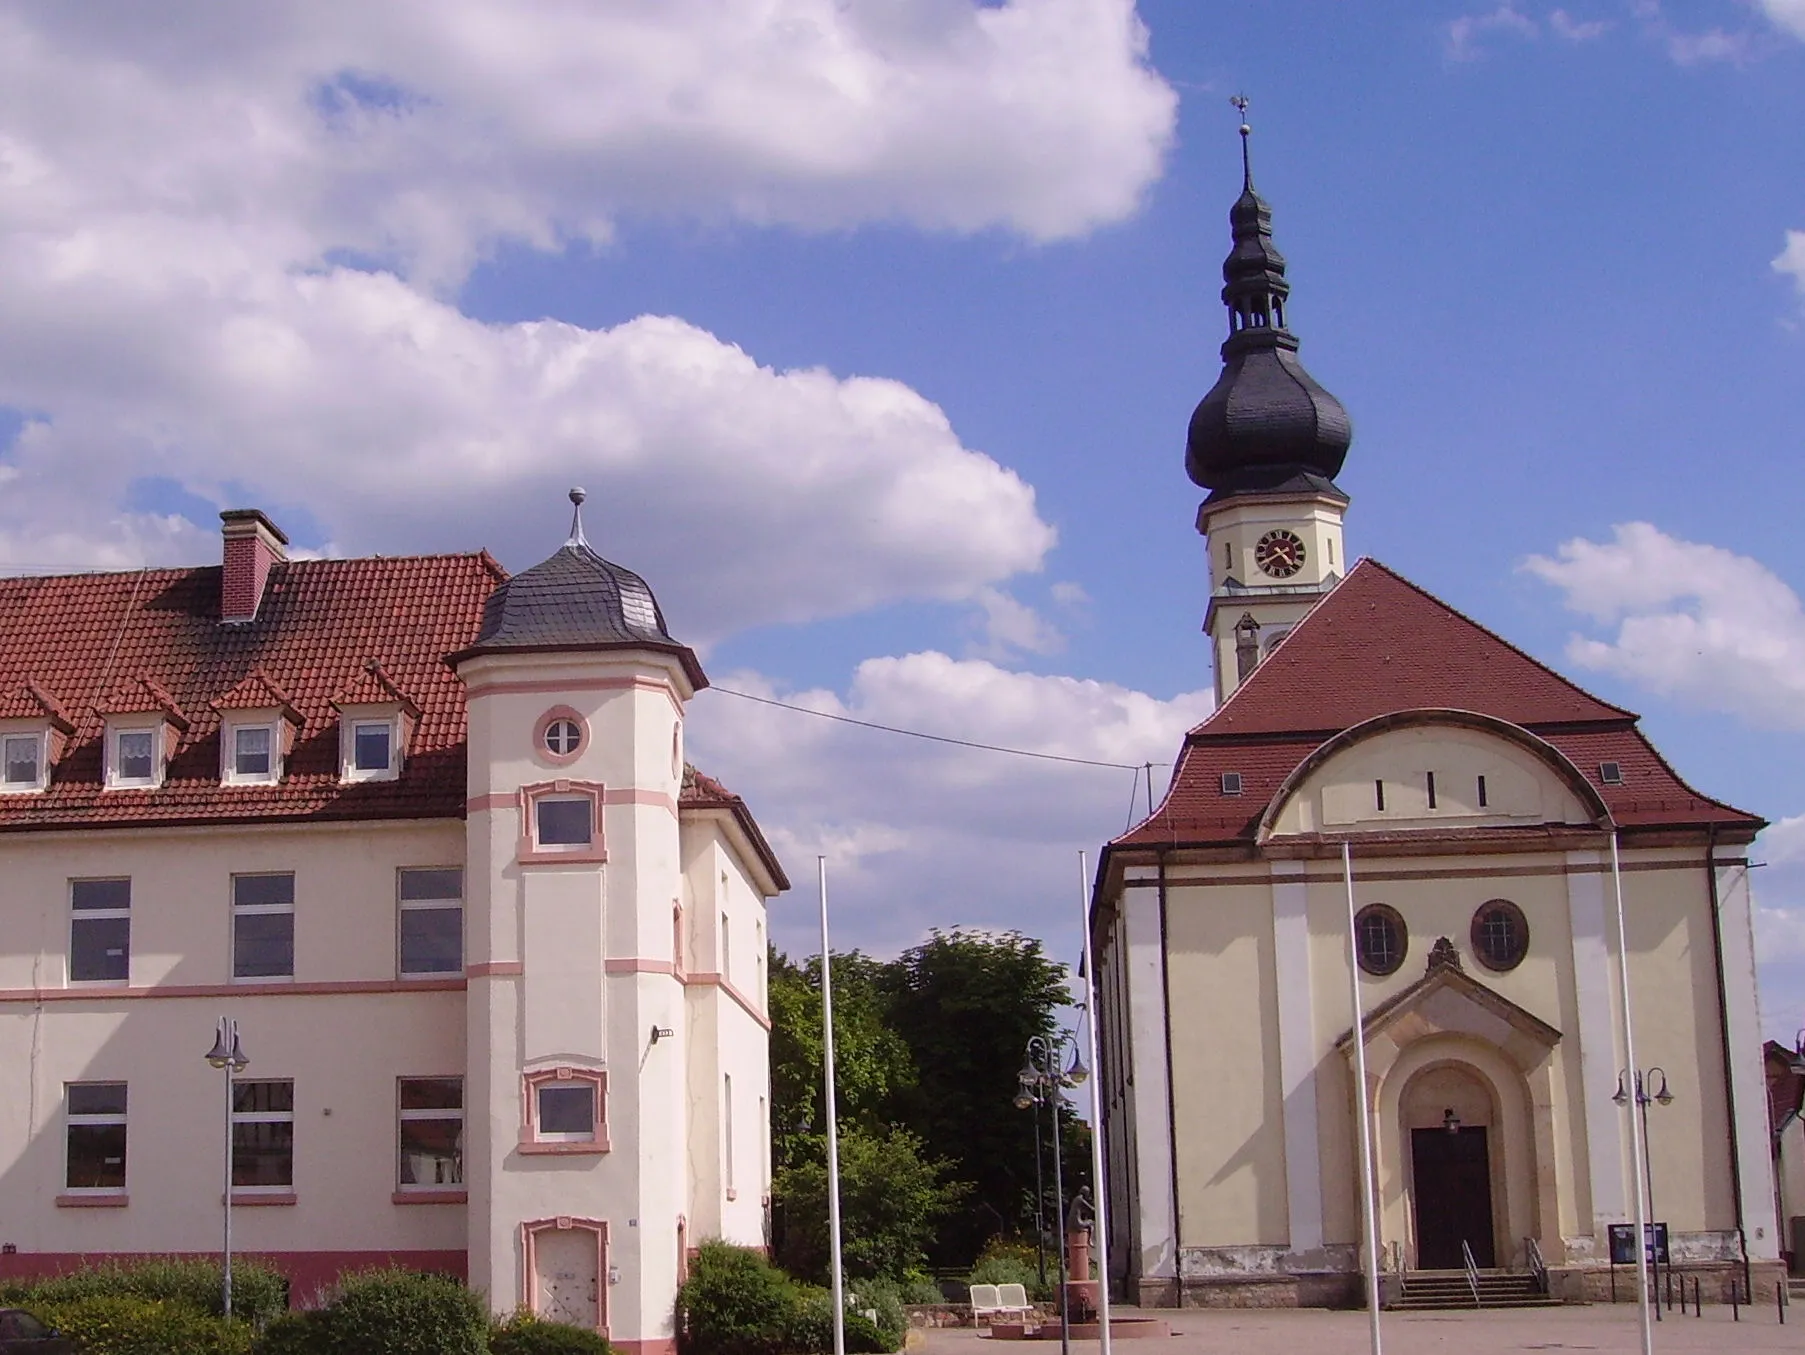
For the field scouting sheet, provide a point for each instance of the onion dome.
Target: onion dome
(1266, 424)
(576, 600)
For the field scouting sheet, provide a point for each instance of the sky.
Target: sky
(872, 328)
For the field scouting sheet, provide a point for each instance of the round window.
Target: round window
(563, 737)
(1500, 935)
(1380, 938)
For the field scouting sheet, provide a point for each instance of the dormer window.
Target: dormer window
(21, 762)
(375, 720)
(257, 730)
(132, 757)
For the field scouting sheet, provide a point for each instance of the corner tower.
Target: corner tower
(1267, 442)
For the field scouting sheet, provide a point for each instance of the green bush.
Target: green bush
(400, 1312)
(885, 1298)
(921, 1289)
(120, 1324)
(258, 1293)
(811, 1329)
(526, 1334)
(1008, 1270)
(307, 1333)
(734, 1302)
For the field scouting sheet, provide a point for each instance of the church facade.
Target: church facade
(1491, 811)
(426, 833)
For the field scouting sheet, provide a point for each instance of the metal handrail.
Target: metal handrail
(1472, 1270)
(1537, 1266)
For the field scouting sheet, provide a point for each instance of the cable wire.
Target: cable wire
(933, 738)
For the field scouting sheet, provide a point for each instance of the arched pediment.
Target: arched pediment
(1431, 769)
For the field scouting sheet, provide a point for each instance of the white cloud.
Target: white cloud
(1564, 25)
(176, 187)
(1780, 926)
(1466, 32)
(1692, 621)
(1011, 627)
(1714, 44)
(907, 823)
(1786, 14)
(1792, 259)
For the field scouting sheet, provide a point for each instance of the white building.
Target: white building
(496, 953)
(1483, 798)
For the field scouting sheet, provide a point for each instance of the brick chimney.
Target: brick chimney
(253, 545)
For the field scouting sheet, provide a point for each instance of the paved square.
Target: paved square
(1604, 1328)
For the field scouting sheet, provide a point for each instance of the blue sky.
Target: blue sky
(873, 328)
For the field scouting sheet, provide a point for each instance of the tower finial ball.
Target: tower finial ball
(578, 494)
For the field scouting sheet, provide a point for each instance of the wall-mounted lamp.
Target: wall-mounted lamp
(662, 1033)
(1450, 1121)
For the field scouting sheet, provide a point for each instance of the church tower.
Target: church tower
(1267, 442)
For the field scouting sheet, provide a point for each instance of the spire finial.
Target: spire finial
(577, 495)
(1240, 103)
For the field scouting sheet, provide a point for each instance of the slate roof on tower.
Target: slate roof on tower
(1378, 645)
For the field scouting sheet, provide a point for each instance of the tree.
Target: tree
(872, 1064)
(966, 1004)
(891, 1202)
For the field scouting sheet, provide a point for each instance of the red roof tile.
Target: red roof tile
(256, 691)
(1376, 645)
(28, 701)
(372, 686)
(142, 696)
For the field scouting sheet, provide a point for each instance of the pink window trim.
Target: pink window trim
(530, 1143)
(430, 1197)
(544, 723)
(117, 1199)
(527, 850)
(529, 1270)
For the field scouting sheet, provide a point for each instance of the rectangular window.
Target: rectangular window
(1611, 773)
(136, 763)
(566, 1111)
(263, 1135)
(726, 949)
(251, 752)
(370, 746)
(431, 1132)
(1482, 799)
(100, 931)
(432, 922)
(567, 821)
(1431, 780)
(96, 1115)
(21, 760)
(727, 1132)
(263, 926)
(1379, 795)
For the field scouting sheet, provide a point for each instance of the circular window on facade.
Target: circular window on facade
(1500, 935)
(1380, 938)
(561, 734)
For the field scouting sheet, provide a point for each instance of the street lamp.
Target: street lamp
(1041, 1080)
(1645, 1080)
(228, 1056)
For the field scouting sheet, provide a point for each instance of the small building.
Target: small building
(1485, 802)
(427, 834)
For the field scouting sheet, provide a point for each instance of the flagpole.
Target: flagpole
(1099, 1190)
(1643, 1241)
(833, 1118)
(1369, 1213)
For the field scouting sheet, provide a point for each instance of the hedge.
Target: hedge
(525, 1334)
(736, 1302)
(119, 1324)
(258, 1292)
(386, 1312)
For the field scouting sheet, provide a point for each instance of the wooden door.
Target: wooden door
(1453, 1197)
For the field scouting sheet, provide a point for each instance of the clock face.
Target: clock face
(1280, 554)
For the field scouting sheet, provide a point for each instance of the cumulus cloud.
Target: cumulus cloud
(907, 823)
(1792, 259)
(229, 242)
(1694, 48)
(1780, 926)
(1692, 621)
(1787, 15)
(1564, 25)
(1466, 33)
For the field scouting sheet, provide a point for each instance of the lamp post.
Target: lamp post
(1040, 1204)
(1041, 1081)
(1643, 1081)
(228, 1056)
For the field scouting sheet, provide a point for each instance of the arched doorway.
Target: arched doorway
(1449, 1122)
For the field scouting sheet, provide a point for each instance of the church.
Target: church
(425, 833)
(1483, 801)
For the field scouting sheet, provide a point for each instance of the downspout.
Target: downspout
(1723, 1030)
(1165, 978)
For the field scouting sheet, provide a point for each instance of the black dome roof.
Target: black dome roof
(576, 600)
(1266, 422)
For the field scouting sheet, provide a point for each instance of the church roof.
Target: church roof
(1378, 644)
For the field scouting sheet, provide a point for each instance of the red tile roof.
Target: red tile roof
(154, 635)
(1376, 645)
(28, 701)
(372, 686)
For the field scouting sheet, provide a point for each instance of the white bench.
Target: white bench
(991, 1302)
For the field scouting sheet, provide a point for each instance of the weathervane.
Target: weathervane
(1240, 103)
